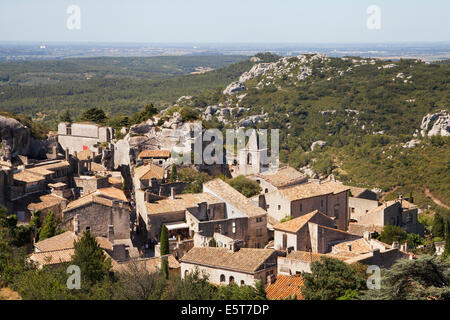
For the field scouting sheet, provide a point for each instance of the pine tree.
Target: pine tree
(90, 258)
(260, 290)
(164, 241)
(49, 229)
(65, 117)
(446, 252)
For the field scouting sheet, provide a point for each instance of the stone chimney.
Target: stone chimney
(367, 235)
(172, 193)
(349, 247)
(67, 154)
(111, 233)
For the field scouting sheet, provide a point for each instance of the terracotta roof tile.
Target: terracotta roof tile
(246, 260)
(52, 257)
(149, 171)
(296, 224)
(285, 287)
(155, 154)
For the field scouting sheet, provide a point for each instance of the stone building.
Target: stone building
(237, 205)
(330, 198)
(282, 178)
(79, 136)
(157, 157)
(148, 174)
(313, 232)
(101, 213)
(397, 213)
(154, 211)
(224, 266)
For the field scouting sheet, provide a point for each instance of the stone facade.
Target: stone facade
(77, 136)
(97, 216)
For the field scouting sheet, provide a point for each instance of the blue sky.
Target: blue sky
(230, 21)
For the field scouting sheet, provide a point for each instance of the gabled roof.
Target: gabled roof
(62, 241)
(180, 203)
(149, 171)
(45, 201)
(247, 260)
(228, 194)
(113, 193)
(105, 196)
(285, 287)
(52, 257)
(283, 177)
(150, 264)
(312, 189)
(296, 224)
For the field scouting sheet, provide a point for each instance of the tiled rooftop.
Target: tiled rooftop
(246, 260)
(282, 177)
(52, 257)
(230, 195)
(285, 287)
(312, 189)
(45, 201)
(296, 224)
(180, 203)
(154, 154)
(28, 176)
(149, 171)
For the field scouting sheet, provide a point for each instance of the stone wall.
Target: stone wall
(98, 217)
(360, 206)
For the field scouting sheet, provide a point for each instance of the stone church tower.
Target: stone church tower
(253, 158)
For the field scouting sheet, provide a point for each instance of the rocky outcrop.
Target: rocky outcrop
(17, 140)
(318, 144)
(411, 144)
(234, 87)
(439, 122)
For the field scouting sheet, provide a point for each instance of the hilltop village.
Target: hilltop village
(129, 197)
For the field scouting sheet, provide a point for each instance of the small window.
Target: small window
(234, 227)
(222, 278)
(301, 207)
(353, 210)
(231, 279)
(242, 282)
(88, 228)
(266, 190)
(279, 207)
(321, 203)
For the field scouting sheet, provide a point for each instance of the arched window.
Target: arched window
(222, 278)
(249, 158)
(186, 272)
(242, 282)
(231, 279)
(266, 190)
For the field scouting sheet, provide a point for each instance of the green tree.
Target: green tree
(245, 186)
(422, 279)
(49, 229)
(165, 267)
(95, 115)
(90, 258)
(213, 243)
(438, 226)
(446, 252)
(65, 117)
(164, 241)
(392, 233)
(173, 173)
(194, 286)
(330, 279)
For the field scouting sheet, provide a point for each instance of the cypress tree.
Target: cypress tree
(438, 226)
(173, 174)
(164, 241)
(49, 228)
(165, 267)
